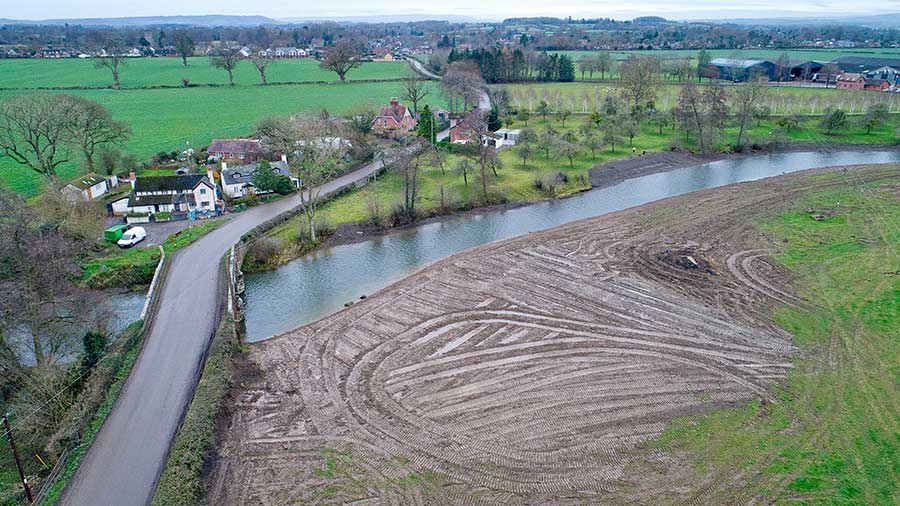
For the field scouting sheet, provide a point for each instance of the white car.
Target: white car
(131, 237)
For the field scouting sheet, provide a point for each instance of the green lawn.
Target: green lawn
(167, 119)
(586, 97)
(137, 72)
(833, 437)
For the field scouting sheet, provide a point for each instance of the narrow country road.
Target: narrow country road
(126, 459)
(123, 465)
(484, 103)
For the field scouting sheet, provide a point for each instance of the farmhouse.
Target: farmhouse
(851, 81)
(890, 74)
(238, 181)
(395, 116)
(89, 187)
(155, 194)
(236, 150)
(507, 137)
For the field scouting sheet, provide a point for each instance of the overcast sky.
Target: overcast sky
(480, 9)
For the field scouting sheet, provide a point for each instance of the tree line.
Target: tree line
(503, 66)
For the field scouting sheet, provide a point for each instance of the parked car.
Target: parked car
(132, 237)
(114, 233)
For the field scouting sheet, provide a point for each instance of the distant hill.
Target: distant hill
(205, 21)
(386, 18)
(871, 21)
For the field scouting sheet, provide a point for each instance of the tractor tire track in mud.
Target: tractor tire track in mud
(529, 371)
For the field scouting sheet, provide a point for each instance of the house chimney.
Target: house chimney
(224, 165)
(284, 158)
(211, 175)
(132, 177)
(394, 101)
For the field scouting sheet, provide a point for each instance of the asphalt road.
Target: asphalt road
(126, 459)
(123, 465)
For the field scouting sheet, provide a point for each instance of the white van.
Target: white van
(131, 237)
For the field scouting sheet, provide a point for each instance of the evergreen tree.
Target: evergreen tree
(427, 128)
(566, 69)
(493, 120)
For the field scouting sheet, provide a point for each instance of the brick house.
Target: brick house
(877, 84)
(236, 150)
(851, 81)
(395, 116)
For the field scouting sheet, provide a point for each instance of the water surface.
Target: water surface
(319, 284)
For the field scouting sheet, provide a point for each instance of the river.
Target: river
(320, 283)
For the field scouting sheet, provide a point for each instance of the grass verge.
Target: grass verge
(116, 369)
(181, 481)
(834, 436)
(135, 266)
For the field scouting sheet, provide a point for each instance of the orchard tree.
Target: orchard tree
(833, 120)
(639, 75)
(875, 116)
(746, 101)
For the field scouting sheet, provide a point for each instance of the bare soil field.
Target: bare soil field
(530, 371)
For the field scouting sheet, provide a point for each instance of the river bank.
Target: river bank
(328, 278)
(470, 373)
(602, 175)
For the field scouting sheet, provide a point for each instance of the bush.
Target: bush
(163, 216)
(264, 251)
(137, 215)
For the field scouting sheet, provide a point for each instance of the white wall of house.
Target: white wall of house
(97, 190)
(205, 197)
(234, 191)
(120, 207)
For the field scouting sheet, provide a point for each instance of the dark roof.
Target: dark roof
(244, 173)
(731, 62)
(859, 63)
(234, 146)
(154, 200)
(184, 182)
(877, 82)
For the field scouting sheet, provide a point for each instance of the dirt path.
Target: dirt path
(529, 371)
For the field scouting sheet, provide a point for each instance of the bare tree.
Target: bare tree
(312, 150)
(112, 59)
(341, 58)
(409, 165)
(262, 63)
(227, 59)
(92, 127)
(462, 85)
(184, 44)
(35, 131)
(414, 89)
(746, 102)
(639, 76)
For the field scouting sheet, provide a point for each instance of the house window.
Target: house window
(202, 191)
(241, 156)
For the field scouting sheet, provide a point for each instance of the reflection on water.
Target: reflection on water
(320, 283)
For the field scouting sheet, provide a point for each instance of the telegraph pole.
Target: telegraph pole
(12, 444)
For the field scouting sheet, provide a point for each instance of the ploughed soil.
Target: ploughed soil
(535, 370)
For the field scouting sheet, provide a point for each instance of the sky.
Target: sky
(478, 9)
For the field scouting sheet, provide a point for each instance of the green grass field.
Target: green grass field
(768, 54)
(833, 437)
(138, 72)
(586, 97)
(168, 119)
